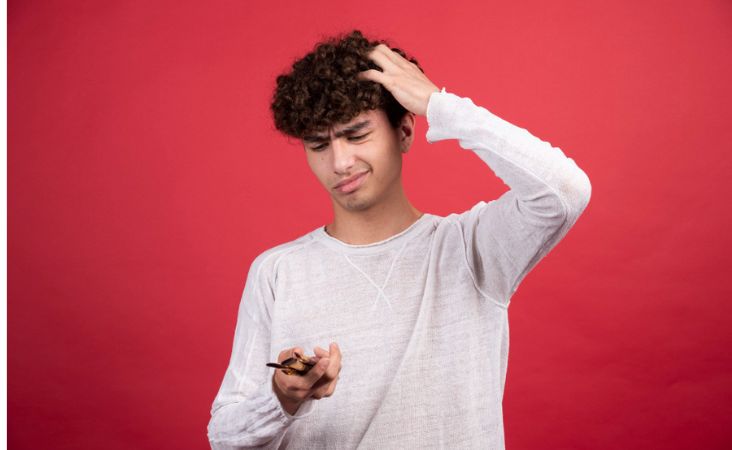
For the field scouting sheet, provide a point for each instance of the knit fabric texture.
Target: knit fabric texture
(421, 318)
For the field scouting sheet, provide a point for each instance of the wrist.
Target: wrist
(289, 405)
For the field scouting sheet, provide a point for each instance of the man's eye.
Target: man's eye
(351, 138)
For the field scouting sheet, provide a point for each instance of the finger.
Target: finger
(383, 59)
(373, 75)
(335, 353)
(324, 390)
(284, 354)
(334, 348)
(320, 392)
(291, 386)
(319, 351)
(393, 55)
(320, 384)
(333, 368)
(335, 356)
(331, 388)
(289, 353)
(316, 373)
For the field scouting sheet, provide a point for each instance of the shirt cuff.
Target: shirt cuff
(306, 408)
(450, 116)
(436, 115)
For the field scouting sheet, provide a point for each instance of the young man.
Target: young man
(412, 306)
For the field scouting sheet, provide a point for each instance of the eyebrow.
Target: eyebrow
(346, 131)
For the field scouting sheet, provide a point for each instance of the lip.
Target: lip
(352, 183)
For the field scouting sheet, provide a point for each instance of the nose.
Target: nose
(343, 156)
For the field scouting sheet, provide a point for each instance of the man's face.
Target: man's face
(366, 145)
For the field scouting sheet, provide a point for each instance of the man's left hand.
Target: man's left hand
(402, 78)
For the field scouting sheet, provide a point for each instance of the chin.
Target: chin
(356, 203)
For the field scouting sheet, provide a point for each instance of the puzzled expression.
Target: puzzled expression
(359, 162)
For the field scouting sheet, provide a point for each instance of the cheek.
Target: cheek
(317, 164)
(392, 159)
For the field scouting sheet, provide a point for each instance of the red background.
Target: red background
(142, 167)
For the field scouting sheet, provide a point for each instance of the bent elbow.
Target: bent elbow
(583, 191)
(576, 191)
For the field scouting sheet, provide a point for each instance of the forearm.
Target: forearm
(541, 175)
(257, 421)
(505, 238)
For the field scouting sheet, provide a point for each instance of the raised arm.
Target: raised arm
(246, 412)
(505, 238)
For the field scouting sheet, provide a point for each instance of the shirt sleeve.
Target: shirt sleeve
(246, 412)
(505, 238)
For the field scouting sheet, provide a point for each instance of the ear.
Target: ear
(406, 131)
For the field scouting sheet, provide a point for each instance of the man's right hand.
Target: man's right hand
(319, 382)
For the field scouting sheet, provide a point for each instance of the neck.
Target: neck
(375, 224)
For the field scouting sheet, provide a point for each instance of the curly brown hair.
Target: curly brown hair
(322, 89)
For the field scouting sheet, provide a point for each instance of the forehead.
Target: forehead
(369, 114)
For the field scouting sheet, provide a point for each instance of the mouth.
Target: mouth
(351, 184)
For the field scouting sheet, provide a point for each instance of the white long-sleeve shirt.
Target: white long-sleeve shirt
(420, 318)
